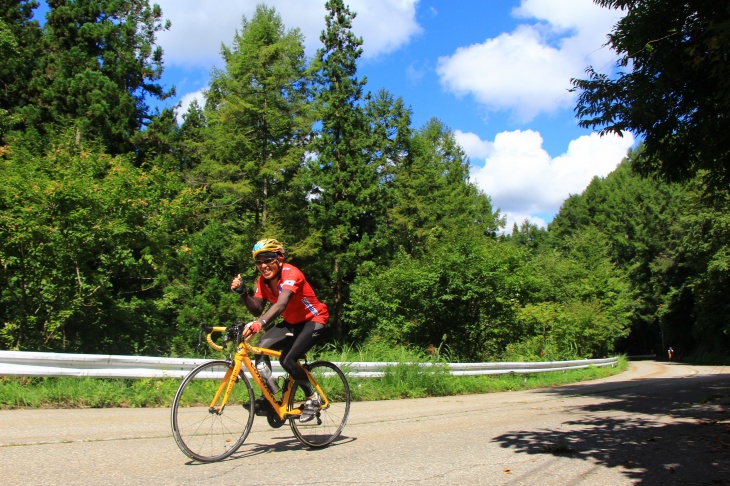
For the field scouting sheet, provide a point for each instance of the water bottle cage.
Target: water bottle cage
(266, 378)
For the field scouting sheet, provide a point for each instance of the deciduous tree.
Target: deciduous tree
(86, 245)
(671, 86)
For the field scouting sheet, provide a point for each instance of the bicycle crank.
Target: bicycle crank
(273, 418)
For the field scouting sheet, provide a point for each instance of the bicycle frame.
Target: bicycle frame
(207, 433)
(242, 359)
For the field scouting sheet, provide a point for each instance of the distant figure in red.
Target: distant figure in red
(670, 353)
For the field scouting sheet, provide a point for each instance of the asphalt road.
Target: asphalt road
(654, 424)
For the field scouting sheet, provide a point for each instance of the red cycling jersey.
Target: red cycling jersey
(304, 305)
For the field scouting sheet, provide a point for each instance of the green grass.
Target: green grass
(68, 392)
(408, 381)
(400, 381)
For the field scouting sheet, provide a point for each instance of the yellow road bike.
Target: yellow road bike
(213, 410)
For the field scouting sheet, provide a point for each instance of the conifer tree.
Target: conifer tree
(256, 111)
(344, 186)
(19, 46)
(191, 146)
(434, 192)
(388, 151)
(99, 67)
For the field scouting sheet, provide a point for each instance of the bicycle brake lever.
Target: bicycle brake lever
(201, 327)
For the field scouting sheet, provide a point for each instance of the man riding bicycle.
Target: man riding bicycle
(292, 297)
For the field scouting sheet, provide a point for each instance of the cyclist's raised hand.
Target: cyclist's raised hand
(237, 284)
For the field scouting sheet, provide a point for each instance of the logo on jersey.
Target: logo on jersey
(309, 306)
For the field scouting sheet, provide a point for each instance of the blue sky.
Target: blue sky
(497, 72)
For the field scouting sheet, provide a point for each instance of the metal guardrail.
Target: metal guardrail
(27, 363)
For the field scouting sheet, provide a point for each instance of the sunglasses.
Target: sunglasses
(265, 261)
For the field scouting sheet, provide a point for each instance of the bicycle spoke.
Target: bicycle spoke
(329, 421)
(208, 435)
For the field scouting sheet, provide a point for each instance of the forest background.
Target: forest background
(120, 229)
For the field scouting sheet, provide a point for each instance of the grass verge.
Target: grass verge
(400, 381)
(409, 381)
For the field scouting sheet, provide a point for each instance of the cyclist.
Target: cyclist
(292, 297)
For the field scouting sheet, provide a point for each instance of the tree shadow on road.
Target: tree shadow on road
(658, 431)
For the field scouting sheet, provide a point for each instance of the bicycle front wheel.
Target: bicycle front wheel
(201, 429)
(331, 418)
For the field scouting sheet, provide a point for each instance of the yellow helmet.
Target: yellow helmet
(267, 245)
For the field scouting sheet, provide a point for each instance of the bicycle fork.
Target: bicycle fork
(229, 379)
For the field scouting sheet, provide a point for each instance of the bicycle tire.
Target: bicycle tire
(203, 433)
(328, 423)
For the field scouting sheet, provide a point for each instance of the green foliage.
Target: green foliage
(704, 257)
(432, 191)
(670, 86)
(388, 152)
(528, 235)
(670, 240)
(489, 299)
(19, 51)
(203, 294)
(120, 230)
(637, 218)
(581, 304)
(97, 68)
(256, 114)
(344, 204)
(84, 241)
(85, 392)
(382, 351)
(465, 288)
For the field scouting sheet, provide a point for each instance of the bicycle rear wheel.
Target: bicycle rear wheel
(206, 433)
(327, 425)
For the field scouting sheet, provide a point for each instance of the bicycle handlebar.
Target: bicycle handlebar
(234, 333)
(209, 330)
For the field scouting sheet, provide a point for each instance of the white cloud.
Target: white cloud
(475, 147)
(511, 72)
(199, 27)
(525, 182)
(185, 102)
(384, 25)
(567, 15)
(512, 219)
(528, 70)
